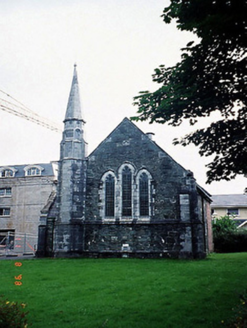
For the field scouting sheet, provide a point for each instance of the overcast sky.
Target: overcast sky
(116, 44)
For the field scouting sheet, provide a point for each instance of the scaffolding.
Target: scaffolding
(17, 244)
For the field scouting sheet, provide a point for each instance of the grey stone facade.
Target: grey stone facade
(127, 198)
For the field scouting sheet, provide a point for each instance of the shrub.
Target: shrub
(227, 238)
(12, 314)
(223, 226)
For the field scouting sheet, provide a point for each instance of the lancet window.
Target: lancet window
(126, 192)
(144, 194)
(109, 196)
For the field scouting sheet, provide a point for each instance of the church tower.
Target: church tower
(72, 163)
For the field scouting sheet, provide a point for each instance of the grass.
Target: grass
(127, 293)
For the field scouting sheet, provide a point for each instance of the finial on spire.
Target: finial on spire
(75, 65)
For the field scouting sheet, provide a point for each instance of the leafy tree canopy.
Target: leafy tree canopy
(211, 77)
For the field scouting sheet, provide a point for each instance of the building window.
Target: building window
(126, 192)
(5, 192)
(109, 196)
(144, 195)
(233, 211)
(33, 170)
(7, 173)
(69, 133)
(78, 134)
(4, 211)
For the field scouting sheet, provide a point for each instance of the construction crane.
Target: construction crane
(22, 111)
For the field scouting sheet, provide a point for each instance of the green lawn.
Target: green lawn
(127, 293)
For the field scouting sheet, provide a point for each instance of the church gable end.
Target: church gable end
(141, 198)
(129, 147)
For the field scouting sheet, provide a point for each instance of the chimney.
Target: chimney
(150, 135)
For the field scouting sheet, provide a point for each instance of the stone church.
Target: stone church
(128, 198)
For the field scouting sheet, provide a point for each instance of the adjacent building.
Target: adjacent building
(234, 205)
(24, 189)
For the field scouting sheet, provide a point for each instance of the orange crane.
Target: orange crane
(20, 110)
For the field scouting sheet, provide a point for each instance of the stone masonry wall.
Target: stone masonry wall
(127, 144)
(156, 239)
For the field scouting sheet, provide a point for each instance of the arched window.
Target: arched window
(126, 191)
(78, 134)
(109, 196)
(145, 191)
(7, 172)
(33, 170)
(144, 194)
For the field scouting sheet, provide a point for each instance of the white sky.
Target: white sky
(116, 44)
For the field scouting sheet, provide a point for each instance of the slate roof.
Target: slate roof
(206, 194)
(234, 200)
(48, 169)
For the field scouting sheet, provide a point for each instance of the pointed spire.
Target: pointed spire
(73, 111)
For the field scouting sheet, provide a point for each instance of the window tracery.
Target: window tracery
(127, 195)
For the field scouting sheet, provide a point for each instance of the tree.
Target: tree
(211, 77)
